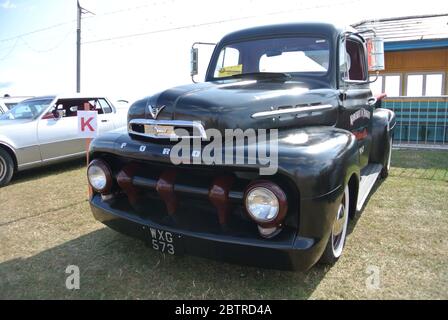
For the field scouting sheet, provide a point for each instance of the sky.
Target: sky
(134, 48)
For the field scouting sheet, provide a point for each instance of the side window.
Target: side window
(357, 69)
(228, 63)
(67, 108)
(95, 106)
(105, 106)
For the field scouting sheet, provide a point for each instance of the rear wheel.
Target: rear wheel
(336, 242)
(6, 168)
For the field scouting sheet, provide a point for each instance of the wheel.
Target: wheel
(336, 241)
(387, 160)
(6, 168)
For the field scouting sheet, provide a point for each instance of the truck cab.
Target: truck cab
(305, 83)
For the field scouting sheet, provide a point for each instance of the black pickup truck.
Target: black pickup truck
(305, 83)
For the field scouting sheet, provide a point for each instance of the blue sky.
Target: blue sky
(137, 47)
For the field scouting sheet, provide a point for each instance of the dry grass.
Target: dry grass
(46, 225)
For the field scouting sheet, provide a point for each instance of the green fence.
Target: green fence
(420, 121)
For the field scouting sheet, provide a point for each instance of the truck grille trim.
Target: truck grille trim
(166, 129)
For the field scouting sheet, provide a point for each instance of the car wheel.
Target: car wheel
(6, 168)
(387, 160)
(336, 241)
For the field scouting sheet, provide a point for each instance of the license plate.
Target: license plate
(159, 130)
(165, 241)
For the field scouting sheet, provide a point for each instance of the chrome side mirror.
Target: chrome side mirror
(375, 51)
(194, 61)
(194, 55)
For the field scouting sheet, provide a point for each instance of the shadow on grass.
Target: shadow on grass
(45, 171)
(354, 221)
(113, 266)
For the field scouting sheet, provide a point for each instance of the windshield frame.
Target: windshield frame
(37, 116)
(294, 75)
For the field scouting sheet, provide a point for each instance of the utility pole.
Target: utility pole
(80, 12)
(78, 50)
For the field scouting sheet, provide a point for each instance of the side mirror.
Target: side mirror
(375, 51)
(57, 114)
(194, 61)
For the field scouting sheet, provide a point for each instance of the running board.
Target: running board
(369, 176)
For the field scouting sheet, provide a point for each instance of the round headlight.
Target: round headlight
(99, 176)
(266, 203)
(262, 204)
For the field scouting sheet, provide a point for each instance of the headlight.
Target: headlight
(262, 204)
(100, 177)
(266, 204)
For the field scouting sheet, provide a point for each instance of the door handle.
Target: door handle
(104, 120)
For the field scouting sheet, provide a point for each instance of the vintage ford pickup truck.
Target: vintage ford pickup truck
(308, 83)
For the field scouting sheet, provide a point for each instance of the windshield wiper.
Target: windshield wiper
(262, 75)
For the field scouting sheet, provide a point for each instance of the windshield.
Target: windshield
(291, 55)
(30, 109)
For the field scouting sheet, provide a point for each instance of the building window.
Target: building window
(388, 83)
(392, 85)
(377, 86)
(428, 84)
(414, 87)
(434, 85)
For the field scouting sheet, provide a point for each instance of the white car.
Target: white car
(10, 102)
(3, 107)
(44, 130)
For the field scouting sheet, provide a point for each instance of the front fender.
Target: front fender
(321, 166)
(318, 159)
(4, 140)
(383, 126)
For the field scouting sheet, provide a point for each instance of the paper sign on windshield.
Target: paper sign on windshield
(230, 71)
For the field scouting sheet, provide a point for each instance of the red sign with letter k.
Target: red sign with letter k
(87, 123)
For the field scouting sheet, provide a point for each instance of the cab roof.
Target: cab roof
(326, 29)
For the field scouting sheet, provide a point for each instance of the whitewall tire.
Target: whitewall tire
(336, 241)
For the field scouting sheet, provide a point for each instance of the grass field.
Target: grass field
(46, 225)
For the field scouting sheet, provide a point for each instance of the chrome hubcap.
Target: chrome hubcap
(340, 225)
(390, 155)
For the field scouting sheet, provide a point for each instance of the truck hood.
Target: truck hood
(232, 104)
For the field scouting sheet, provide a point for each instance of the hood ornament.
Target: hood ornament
(154, 111)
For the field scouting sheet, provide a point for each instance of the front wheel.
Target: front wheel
(387, 160)
(6, 168)
(336, 242)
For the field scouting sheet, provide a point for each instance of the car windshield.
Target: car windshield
(29, 109)
(291, 55)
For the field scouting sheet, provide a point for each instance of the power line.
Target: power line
(133, 35)
(127, 9)
(49, 49)
(37, 31)
(11, 51)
